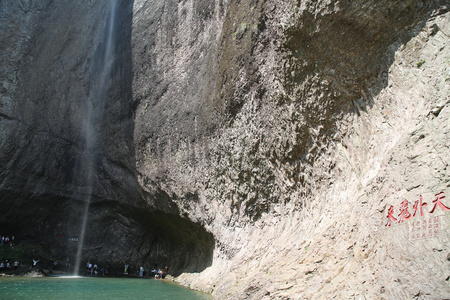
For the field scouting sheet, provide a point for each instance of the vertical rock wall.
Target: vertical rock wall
(66, 141)
(50, 56)
(259, 146)
(288, 129)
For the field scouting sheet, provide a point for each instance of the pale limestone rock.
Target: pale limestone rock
(286, 129)
(338, 246)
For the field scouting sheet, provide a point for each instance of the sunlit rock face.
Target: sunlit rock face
(264, 148)
(289, 129)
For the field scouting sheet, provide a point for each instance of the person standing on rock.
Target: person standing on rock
(34, 263)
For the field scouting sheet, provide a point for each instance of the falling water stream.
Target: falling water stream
(102, 68)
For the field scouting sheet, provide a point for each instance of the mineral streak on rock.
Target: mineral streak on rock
(256, 146)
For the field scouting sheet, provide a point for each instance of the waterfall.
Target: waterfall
(102, 68)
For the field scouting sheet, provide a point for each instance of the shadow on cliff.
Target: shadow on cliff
(332, 62)
(347, 55)
(124, 228)
(339, 55)
(47, 185)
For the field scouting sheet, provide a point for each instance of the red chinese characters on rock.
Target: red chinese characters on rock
(390, 215)
(404, 213)
(423, 229)
(417, 207)
(437, 202)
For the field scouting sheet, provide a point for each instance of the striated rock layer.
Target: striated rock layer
(288, 129)
(266, 149)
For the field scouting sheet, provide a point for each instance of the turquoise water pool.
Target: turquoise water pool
(93, 288)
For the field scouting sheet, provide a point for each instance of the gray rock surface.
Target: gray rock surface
(256, 146)
(66, 115)
(303, 140)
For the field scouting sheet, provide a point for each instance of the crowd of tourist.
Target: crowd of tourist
(6, 240)
(95, 270)
(155, 271)
(9, 265)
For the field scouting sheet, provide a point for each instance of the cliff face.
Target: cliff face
(67, 153)
(288, 129)
(262, 144)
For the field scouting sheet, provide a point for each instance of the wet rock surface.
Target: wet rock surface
(257, 146)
